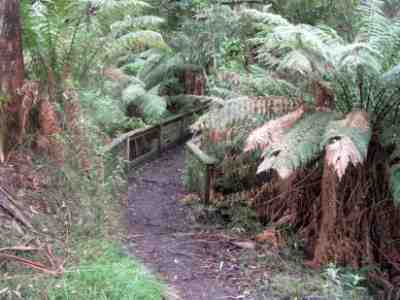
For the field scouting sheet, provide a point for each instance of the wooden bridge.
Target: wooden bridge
(144, 144)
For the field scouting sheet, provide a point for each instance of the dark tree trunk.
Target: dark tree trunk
(11, 67)
(194, 83)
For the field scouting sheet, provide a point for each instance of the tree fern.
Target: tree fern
(63, 35)
(159, 68)
(314, 51)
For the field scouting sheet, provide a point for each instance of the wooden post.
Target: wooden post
(182, 129)
(137, 150)
(209, 163)
(159, 139)
(128, 149)
(207, 187)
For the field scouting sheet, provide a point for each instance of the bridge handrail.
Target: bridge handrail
(129, 139)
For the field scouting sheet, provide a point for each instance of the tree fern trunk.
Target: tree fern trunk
(11, 70)
(324, 97)
(323, 251)
(194, 82)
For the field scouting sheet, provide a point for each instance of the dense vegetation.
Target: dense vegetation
(304, 93)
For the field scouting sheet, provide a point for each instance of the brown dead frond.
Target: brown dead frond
(50, 131)
(30, 97)
(343, 151)
(340, 154)
(272, 131)
(115, 74)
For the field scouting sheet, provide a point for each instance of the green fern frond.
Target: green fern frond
(298, 61)
(381, 33)
(111, 6)
(263, 17)
(261, 82)
(223, 93)
(152, 105)
(298, 147)
(159, 68)
(130, 23)
(359, 54)
(140, 40)
(132, 92)
(296, 47)
(392, 77)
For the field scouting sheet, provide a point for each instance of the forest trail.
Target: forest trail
(163, 234)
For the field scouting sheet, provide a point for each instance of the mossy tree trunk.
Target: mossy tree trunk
(11, 71)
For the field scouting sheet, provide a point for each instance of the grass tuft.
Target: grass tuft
(105, 273)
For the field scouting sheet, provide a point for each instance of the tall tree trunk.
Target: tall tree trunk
(11, 71)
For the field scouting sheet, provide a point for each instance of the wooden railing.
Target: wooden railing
(142, 144)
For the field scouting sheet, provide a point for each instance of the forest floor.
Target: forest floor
(200, 261)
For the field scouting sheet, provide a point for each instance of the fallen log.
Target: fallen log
(8, 204)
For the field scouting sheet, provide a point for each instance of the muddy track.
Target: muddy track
(163, 234)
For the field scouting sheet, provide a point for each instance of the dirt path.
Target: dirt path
(163, 234)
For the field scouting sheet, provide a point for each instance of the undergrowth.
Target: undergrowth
(105, 272)
(98, 270)
(80, 219)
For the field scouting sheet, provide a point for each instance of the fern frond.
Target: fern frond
(117, 5)
(316, 51)
(130, 23)
(163, 70)
(243, 110)
(223, 93)
(392, 77)
(263, 17)
(298, 61)
(350, 57)
(272, 131)
(346, 141)
(261, 82)
(298, 147)
(140, 40)
(153, 105)
(381, 33)
(132, 92)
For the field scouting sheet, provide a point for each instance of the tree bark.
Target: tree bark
(11, 69)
